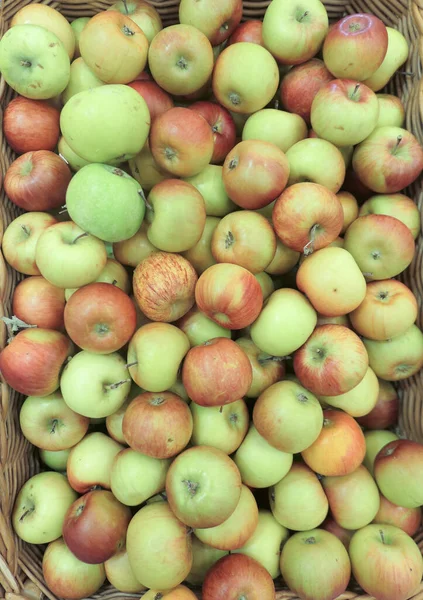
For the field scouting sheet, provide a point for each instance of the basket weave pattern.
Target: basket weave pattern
(20, 564)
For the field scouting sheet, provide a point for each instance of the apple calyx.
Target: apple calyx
(158, 596)
(127, 31)
(302, 397)
(170, 153)
(192, 487)
(114, 386)
(310, 540)
(182, 63)
(398, 142)
(234, 98)
(375, 255)
(79, 510)
(229, 240)
(157, 401)
(382, 295)
(102, 329)
(233, 163)
(354, 27)
(26, 63)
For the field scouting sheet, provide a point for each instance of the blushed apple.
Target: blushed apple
(344, 535)
(217, 23)
(134, 250)
(407, 519)
(223, 127)
(38, 302)
(284, 261)
(395, 205)
(375, 441)
(267, 369)
(248, 31)
(143, 14)
(385, 412)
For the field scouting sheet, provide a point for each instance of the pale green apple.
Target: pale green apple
(203, 558)
(266, 283)
(41, 506)
(70, 157)
(375, 441)
(95, 385)
(317, 161)
(209, 183)
(77, 26)
(278, 127)
(265, 545)
(199, 328)
(391, 111)
(136, 477)
(34, 62)
(284, 324)
(284, 260)
(396, 55)
(110, 122)
(360, 400)
(200, 255)
(223, 427)
(399, 206)
(55, 459)
(120, 575)
(114, 208)
(81, 79)
(259, 463)
(179, 389)
(113, 273)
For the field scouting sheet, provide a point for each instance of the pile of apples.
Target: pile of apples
(210, 327)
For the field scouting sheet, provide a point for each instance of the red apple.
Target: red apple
(385, 412)
(222, 125)
(32, 362)
(407, 519)
(345, 535)
(216, 373)
(255, 173)
(37, 302)
(356, 187)
(237, 576)
(31, 125)
(230, 295)
(157, 100)
(95, 526)
(100, 318)
(249, 31)
(301, 84)
(157, 424)
(38, 181)
(164, 285)
(340, 447)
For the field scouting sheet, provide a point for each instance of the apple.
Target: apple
(81, 79)
(216, 373)
(355, 186)
(283, 129)
(307, 216)
(65, 575)
(157, 100)
(203, 558)
(315, 565)
(340, 447)
(113, 273)
(298, 501)
(260, 464)
(209, 182)
(151, 368)
(230, 295)
(31, 363)
(223, 428)
(385, 412)
(47, 422)
(180, 59)
(350, 208)
(355, 46)
(90, 462)
(223, 127)
(386, 562)
(294, 32)
(375, 441)
(70, 157)
(38, 302)
(159, 547)
(236, 575)
(135, 477)
(284, 261)
(216, 21)
(397, 358)
(132, 251)
(359, 401)
(399, 206)
(235, 531)
(55, 459)
(114, 421)
(92, 134)
(284, 408)
(143, 14)
(332, 281)
(248, 31)
(396, 55)
(341, 320)
(95, 526)
(266, 283)
(180, 592)
(255, 173)
(20, 240)
(344, 112)
(145, 170)
(164, 286)
(199, 328)
(344, 535)
(181, 142)
(407, 519)
(301, 84)
(267, 369)
(245, 78)
(120, 575)
(41, 47)
(390, 159)
(31, 125)
(284, 324)
(78, 25)
(391, 111)
(40, 507)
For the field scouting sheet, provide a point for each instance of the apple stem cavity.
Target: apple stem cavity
(114, 386)
(158, 596)
(302, 398)
(192, 487)
(229, 240)
(382, 536)
(398, 142)
(78, 237)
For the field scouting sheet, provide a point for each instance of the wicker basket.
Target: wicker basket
(20, 564)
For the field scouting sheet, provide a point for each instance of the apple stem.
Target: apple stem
(114, 386)
(398, 142)
(303, 16)
(64, 209)
(221, 409)
(26, 63)
(25, 230)
(276, 105)
(54, 424)
(406, 73)
(78, 237)
(367, 274)
(114, 282)
(63, 158)
(25, 514)
(148, 205)
(141, 192)
(309, 247)
(132, 364)
(125, 6)
(382, 536)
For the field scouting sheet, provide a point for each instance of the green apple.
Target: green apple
(34, 62)
(136, 477)
(203, 558)
(298, 501)
(77, 26)
(266, 283)
(74, 161)
(265, 545)
(95, 385)
(391, 111)
(114, 208)
(120, 575)
(284, 260)
(81, 79)
(278, 127)
(113, 273)
(375, 441)
(284, 324)
(209, 183)
(199, 328)
(179, 389)
(55, 459)
(159, 547)
(399, 206)
(40, 507)
(259, 463)
(69, 257)
(200, 255)
(223, 427)
(360, 400)
(396, 55)
(105, 123)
